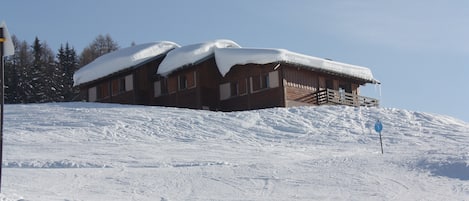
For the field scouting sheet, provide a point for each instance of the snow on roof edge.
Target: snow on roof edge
(121, 59)
(226, 58)
(190, 54)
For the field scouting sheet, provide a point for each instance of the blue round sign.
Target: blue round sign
(378, 126)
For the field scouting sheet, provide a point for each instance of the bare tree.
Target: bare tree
(100, 46)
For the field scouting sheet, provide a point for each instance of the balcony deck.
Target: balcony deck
(334, 97)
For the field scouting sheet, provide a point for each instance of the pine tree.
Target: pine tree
(43, 66)
(72, 66)
(67, 63)
(13, 64)
(21, 62)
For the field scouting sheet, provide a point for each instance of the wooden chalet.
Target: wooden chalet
(220, 75)
(284, 79)
(189, 77)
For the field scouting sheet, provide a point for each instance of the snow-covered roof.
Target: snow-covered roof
(226, 58)
(120, 60)
(191, 54)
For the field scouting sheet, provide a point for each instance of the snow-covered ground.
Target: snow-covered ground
(89, 151)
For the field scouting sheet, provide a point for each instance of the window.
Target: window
(182, 82)
(260, 82)
(157, 88)
(160, 87)
(187, 80)
(225, 91)
(264, 81)
(118, 86)
(129, 83)
(172, 83)
(103, 90)
(234, 89)
(242, 87)
(329, 84)
(92, 94)
(122, 85)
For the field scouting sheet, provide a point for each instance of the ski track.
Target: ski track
(89, 151)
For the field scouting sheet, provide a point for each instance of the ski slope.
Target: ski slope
(91, 151)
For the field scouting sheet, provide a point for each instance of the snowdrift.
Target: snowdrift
(90, 151)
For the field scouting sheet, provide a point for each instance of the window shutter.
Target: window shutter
(273, 79)
(225, 91)
(92, 94)
(129, 83)
(157, 86)
(115, 87)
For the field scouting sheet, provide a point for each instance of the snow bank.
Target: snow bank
(226, 58)
(92, 151)
(120, 60)
(190, 54)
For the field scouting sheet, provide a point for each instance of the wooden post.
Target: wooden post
(381, 142)
(6, 49)
(2, 87)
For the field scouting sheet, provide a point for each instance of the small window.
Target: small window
(160, 87)
(264, 81)
(172, 84)
(121, 85)
(329, 84)
(157, 88)
(260, 82)
(129, 83)
(118, 86)
(92, 94)
(242, 87)
(234, 89)
(225, 91)
(182, 82)
(190, 79)
(103, 91)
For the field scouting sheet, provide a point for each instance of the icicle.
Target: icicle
(379, 88)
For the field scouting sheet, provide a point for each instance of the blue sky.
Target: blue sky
(418, 49)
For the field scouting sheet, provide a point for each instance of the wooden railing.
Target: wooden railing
(334, 97)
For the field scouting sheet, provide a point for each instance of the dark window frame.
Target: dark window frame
(260, 82)
(182, 82)
(234, 89)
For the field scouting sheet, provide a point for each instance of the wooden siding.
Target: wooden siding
(300, 84)
(259, 88)
(143, 79)
(130, 86)
(201, 91)
(200, 86)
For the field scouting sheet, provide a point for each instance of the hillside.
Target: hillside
(89, 151)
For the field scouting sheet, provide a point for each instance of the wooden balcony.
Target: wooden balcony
(334, 97)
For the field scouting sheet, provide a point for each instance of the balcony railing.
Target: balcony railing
(334, 97)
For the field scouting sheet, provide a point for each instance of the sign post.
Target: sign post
(6, 49)
(379, 128)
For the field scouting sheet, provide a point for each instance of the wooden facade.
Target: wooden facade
(129, 86)
(244, 87)
(250, 86)
(255, 86)
(193, 86)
